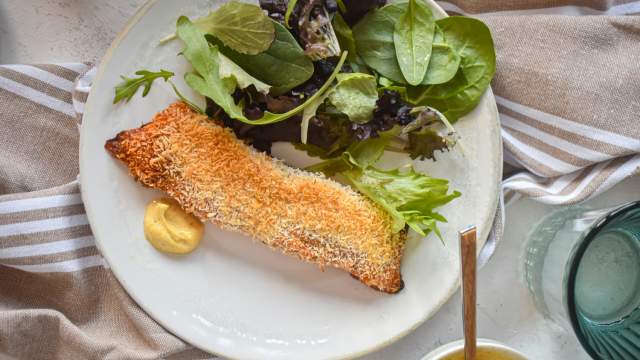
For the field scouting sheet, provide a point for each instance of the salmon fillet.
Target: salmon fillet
(220, 179)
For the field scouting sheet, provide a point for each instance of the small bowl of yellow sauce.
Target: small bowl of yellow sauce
(486, 350)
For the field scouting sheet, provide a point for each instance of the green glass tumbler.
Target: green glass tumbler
(582, 267)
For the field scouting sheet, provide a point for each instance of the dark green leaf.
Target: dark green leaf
(230, 70)
(471, 39)
(413, 38)
(129, 86)
(374, 40)
(345, 36)
(444, 62)
(283, 66)
(443, 65)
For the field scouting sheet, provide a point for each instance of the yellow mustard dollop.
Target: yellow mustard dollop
(170, 229)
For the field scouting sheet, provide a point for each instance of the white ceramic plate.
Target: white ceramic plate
(237, 298)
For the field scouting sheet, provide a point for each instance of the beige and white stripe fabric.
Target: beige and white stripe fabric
(58, 298)
(568, 95)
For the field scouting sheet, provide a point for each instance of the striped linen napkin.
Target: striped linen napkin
(568, 97)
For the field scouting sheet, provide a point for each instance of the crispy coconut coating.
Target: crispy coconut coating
(218, 178)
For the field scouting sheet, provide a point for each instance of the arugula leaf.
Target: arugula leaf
(345, 36)
(374, 40)
(229, 70)
(207, 81)
(413, 37)
(355, 95)
(283, 66)
(243, 27)
(129, 86)
(471, 39)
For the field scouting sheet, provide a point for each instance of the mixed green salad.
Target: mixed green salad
(343, 80)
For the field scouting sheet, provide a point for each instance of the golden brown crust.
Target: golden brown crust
(220, 179)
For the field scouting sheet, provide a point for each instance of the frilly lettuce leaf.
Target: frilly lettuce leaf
(408, 196)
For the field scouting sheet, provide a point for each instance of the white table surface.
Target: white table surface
(33, 31)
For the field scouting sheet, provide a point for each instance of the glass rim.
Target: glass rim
(573, 270)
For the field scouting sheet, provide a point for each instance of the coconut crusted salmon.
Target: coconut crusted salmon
(220, 179)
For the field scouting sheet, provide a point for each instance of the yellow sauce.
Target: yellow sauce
(170, 229)
(484, 354)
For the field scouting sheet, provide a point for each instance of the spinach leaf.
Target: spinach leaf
(443, 65)
(283, 66)
(345, 36)
(374, 40)
(375, 44)
(413, 38)
(444, 61)
(355, 95)
(471, 39)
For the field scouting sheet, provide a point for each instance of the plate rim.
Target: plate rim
(485, 227)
